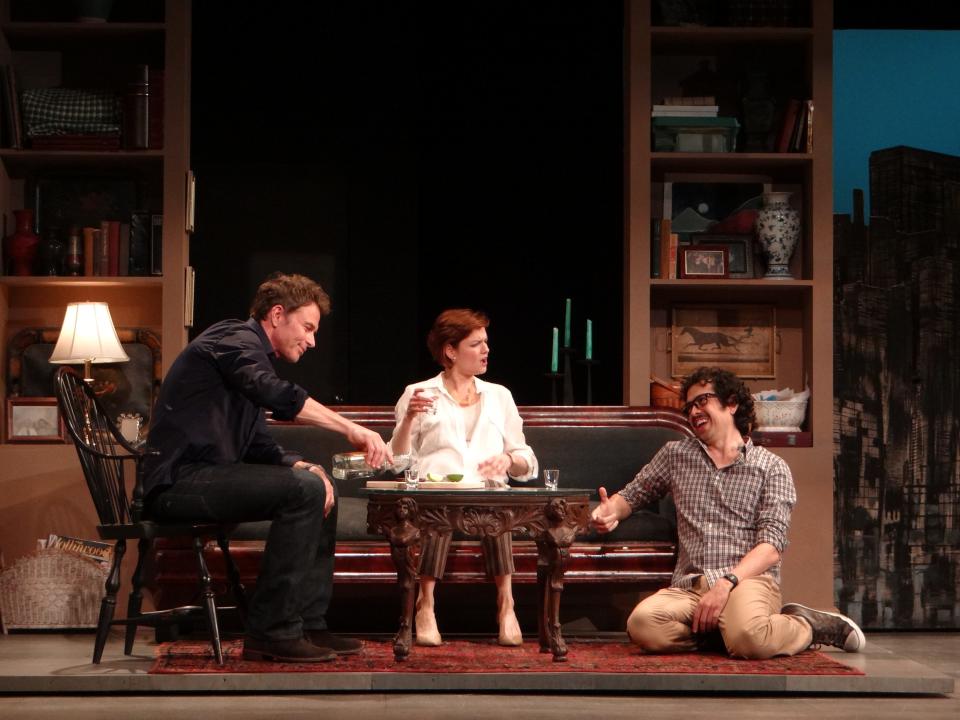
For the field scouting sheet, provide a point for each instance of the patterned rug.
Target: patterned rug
(468, 656)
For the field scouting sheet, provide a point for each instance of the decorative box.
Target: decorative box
(695, 134)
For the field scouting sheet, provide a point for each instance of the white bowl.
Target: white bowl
(780, 415)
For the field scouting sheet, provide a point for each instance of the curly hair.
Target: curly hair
(290, 292)
(730, 390)
(452, 326)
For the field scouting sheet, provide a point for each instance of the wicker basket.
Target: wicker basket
(51, 589)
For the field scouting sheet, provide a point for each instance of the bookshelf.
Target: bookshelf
(799, 59)
(47, 50)
(41, 486)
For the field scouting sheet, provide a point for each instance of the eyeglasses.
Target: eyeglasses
(699, 401)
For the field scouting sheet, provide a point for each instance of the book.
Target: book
(156, 244)
(674, 244)
(655, 249)
(156, 80)
(139, 263)
(124, 263)
(97, 550)
(113, 247)
(665, 228)
(690, 100)
(101, 246)
(89, 258)
(798, 128)
(13, 103)
(683, 110)
(786, 126)
(809, 143)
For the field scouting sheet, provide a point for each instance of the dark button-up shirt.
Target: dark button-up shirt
(211, 403)
(722, 513)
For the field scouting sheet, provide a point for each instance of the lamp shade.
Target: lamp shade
(88, 336)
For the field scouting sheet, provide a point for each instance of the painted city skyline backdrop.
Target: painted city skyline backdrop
(890, 87)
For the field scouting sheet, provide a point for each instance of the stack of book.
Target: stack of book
(796, 127)
(686, 107)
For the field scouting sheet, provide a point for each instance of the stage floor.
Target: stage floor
(37, 663)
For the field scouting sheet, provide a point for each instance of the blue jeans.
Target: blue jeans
(296, 578)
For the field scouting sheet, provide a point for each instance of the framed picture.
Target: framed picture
(739, 252)
(82, 200)
(34, 419)
(722, 204)
(127, 387)
(703, 261)
(739, 338)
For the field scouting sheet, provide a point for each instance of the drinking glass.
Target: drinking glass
(411, 476)
(551, 476)
(434, 395)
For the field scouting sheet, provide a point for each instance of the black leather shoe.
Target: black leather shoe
(298, 650)
(326, 640)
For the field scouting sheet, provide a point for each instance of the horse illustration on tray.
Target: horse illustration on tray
(704, 340)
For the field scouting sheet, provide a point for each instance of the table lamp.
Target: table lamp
(88, 337)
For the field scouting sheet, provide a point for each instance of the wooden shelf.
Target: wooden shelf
(57, 35)
(20, 163)
(786, 166)
(731, 34)
(733, 284)
(40, 281)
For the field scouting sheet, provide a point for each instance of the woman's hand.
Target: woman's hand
(420, 403)
(495, 466)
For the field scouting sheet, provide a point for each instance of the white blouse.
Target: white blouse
(440, 440)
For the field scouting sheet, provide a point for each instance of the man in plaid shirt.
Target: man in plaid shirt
(733, 503)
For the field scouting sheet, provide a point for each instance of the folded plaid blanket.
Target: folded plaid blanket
(59, 111)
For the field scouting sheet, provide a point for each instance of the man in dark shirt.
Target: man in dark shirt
(217, 462)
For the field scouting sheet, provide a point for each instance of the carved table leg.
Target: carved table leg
(404, 536)
(543, 585)
(553, 547)
(403, 558)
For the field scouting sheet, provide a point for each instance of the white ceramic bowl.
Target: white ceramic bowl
(780, 415)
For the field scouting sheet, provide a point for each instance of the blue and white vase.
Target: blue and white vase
(778, 232)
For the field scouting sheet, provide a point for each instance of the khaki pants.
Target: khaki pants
(751, 624)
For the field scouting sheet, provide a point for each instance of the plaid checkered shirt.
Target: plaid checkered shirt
(722, 513)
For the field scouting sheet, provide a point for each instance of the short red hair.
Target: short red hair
(452, 326)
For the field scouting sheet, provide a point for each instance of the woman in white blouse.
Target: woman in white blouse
(455, 423)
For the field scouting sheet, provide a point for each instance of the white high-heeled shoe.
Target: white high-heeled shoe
(510, 635)
(428, 635)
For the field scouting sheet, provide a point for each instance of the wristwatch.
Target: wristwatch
(734, 580)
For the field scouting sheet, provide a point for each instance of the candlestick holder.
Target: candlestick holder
(554, 378)
(589, 369)
(568, 353)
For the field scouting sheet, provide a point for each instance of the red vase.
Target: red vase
(22, 245)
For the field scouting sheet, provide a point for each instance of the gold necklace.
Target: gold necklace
(467, 399)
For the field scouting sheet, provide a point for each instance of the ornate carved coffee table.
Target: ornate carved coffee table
(553, 518)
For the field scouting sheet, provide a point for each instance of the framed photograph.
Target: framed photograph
(34, 419)
(739, 338)
(739, 252)
(703, 261)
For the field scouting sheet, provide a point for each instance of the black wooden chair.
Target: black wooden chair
(104, 454)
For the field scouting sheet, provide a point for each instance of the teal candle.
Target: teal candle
(588, 353)
(566, 326)
(554, 352)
